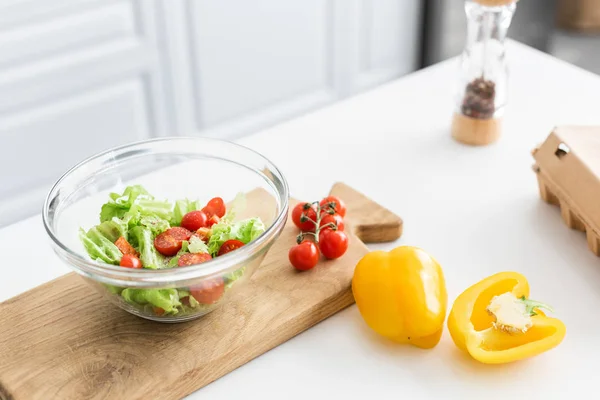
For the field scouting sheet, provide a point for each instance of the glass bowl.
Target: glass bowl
(170, 169)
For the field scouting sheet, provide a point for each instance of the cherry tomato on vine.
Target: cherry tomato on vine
(333, 244)
(215, 206)
(298, 211)
(130, 261)
(338, 205)
(335, 219)
(304, 256)
(194, 220)
(229, 245)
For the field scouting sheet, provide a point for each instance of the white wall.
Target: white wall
(80, 76)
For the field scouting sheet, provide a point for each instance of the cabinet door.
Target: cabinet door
(238, 66)
(76, 77)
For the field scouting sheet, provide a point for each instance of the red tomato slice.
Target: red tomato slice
(130, 261)
(193, 259)
(170, 241)
(124, 246)
(208, 292)
(179, 233)
(194, 220)
(215, 206)
(213, 220)
(158, 311)
(229, 245)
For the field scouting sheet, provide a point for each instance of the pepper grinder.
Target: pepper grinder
(483, 82)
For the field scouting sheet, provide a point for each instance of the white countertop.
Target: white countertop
(477, 210)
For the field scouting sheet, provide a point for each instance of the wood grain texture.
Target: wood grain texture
(62, 340)
(371, 222)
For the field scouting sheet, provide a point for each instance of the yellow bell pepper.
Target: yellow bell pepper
(401, 295)
(495, 321)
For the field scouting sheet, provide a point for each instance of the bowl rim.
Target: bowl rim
(117, 275)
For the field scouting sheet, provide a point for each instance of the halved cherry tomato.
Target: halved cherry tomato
(208, 292)
(334, 202)
(298, 211)
(335, 219)
(158, 311)
(304, 256)
(193, 259)
(229, 245)
(170, 241)
(215, 206)
(333, 244)
(194, 220)
(179, 233)
(130, 261)
(124, 246)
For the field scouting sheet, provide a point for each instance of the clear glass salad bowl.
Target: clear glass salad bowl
(170, 169)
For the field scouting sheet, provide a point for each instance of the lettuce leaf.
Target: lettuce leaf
(134, 202)
(238, 204)
(119, 204)
(183, 207)
(142, 238)
(99, 247)
(192, 300)
(167, 299)
(113, 229)
(184, 249)
(197, 245)
(244, 231)
(231, 277)
(156, 224)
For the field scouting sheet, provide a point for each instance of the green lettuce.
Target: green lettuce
(192, 300)
(167, 299)
(156, 224)
(184, 249)
(244, 231)
(132, 204)
(99, 247)
(183, 207)
(113, 229)
(119, 204)
(196, 245)
(142, 238)
(237, 204)
(231, 277)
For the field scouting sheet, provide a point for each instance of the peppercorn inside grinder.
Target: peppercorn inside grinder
(483, 83)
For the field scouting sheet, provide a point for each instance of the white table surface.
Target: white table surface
(477, 210)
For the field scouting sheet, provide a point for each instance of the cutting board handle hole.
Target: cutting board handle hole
(562, 150)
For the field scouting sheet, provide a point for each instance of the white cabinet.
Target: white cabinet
(76, 77)
(80, 76)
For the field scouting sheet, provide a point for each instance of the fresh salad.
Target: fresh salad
(137, 230)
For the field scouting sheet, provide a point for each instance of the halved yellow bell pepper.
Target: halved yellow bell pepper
(495, 322)
(401, 295)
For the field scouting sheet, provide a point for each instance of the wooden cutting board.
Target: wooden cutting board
(62, 340)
